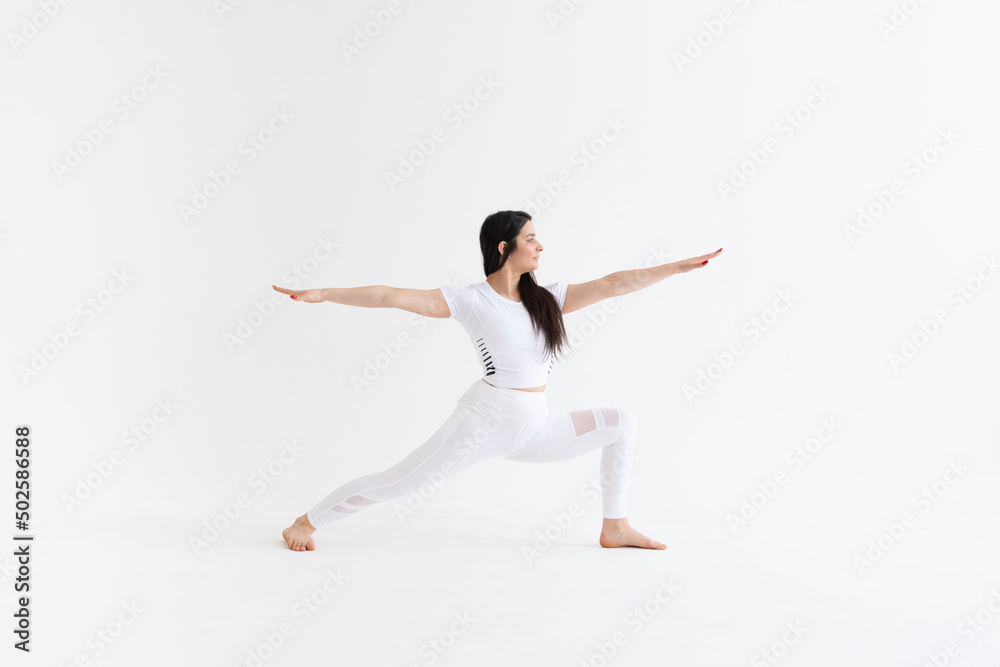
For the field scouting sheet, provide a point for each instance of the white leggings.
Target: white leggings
(493, 421)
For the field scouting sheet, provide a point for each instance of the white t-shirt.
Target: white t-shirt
(511, 353)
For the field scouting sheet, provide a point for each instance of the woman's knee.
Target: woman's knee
(628, 422)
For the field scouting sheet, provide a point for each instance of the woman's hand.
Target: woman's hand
(686, 265)
(306, 295)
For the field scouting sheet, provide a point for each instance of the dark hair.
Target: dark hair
(539, 302)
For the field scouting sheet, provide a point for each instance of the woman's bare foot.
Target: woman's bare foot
(298, 535)
(617, 533)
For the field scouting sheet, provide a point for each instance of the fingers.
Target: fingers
(704, 258)
(698, 262)
(294, 293)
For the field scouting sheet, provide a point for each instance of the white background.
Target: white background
(194, 326)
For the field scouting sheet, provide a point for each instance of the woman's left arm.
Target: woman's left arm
(581, 295)
(636, 279)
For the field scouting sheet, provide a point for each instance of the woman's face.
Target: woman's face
(525, 258)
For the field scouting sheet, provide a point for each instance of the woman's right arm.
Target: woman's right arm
(369, 296)
(426, 302)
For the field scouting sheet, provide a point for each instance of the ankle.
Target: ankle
(304, 521)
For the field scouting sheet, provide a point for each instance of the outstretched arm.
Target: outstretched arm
(618, 283)
(369, 296)
(427, 302)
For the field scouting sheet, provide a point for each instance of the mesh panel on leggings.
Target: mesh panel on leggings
(360, 500)
(585, 421)
(353, 504)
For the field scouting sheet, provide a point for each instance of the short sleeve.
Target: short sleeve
(459, 300)
(559, 292)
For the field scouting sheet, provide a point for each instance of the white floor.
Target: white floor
(453, 586)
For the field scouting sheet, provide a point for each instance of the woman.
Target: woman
(517, 328)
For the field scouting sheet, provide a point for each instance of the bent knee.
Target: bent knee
(628, 421)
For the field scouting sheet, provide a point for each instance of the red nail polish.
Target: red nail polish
(704, 263)
(719, 250)
(293, 296)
